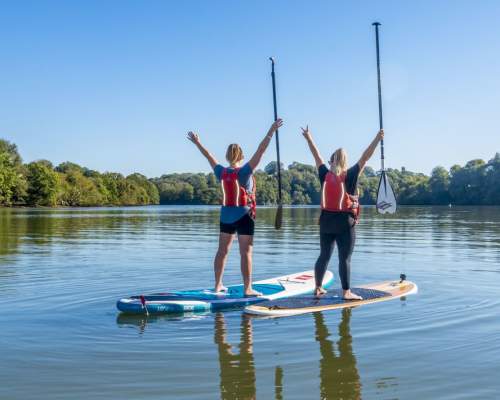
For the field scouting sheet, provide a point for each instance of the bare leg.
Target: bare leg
(225, 241)
(246, 248)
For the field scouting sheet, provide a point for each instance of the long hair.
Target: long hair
(338, 161)
(234, 154)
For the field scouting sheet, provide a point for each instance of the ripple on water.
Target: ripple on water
(61, 272)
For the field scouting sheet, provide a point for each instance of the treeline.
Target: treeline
(476, 183)
(39, 183)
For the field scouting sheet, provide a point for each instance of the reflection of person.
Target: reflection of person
(339, 210)
(339, 377)
(237, 371)
(238, 205)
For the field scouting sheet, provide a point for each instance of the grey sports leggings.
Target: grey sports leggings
(345, 243)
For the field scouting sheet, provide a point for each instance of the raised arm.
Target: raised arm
(193, 137)
(312, 146)
(255, 160)
(370, 150)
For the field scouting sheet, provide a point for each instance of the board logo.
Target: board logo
(383, 205)
(304, 277)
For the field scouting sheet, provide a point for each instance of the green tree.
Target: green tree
(492, 181)
(153, 196)
(78, 190)
(8, 179)
(12, 177)
(43, 184)
(439, 184)
(11, 150)
(467, 184)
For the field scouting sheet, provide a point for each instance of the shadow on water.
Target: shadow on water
(338, 371)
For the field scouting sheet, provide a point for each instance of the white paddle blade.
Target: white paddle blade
(386, 201)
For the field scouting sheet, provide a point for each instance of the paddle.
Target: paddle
(386, 201)
(279, 213)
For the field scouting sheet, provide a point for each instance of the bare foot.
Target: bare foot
(319, 291)
(252, 293)
(348, 295)
(220, 289)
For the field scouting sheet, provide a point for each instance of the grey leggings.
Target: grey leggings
(345, 243)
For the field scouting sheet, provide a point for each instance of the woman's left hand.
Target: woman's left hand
(193, 137)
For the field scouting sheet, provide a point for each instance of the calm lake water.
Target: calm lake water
(61, 272)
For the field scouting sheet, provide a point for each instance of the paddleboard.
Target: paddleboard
(371, 293)
(204, 300)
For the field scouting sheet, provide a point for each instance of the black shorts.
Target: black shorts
(244, 226)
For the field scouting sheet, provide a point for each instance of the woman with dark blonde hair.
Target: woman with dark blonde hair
(238, 205)
(339, 210)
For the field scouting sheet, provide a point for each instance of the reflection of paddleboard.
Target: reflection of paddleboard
(207, 300)
(371, 293)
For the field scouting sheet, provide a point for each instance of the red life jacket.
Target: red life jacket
(235, 195)
(334, 196)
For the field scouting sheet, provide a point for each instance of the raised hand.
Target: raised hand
(193, 137)
(275, 126)
(306, 133)
(314, 150)
(380, 135)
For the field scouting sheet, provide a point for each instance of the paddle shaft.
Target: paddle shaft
(277, 133)
(381, 122)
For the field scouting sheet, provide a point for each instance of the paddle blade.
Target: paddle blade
(279, 217)
(386, 201)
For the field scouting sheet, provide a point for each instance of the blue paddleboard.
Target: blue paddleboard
(204, 300)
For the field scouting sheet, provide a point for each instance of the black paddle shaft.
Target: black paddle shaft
(377, 24)
(277, 133)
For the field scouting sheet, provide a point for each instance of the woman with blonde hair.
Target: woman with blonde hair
(339, 210)
(238, 206)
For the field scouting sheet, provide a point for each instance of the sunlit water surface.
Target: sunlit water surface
(61, 272)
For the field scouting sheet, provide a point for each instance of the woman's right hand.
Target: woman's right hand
(193, 137)
(306, 133)
(275, 126)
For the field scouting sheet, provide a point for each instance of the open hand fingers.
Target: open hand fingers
(192, 136)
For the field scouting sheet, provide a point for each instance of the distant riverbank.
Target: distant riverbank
(41, 184)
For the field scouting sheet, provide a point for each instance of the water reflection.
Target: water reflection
(237, 368)
(141, 322)
(438, 227)
(338, 372)
(339, 376)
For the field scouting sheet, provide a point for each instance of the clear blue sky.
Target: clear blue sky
(115, 85)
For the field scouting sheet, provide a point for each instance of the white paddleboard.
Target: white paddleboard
(371, 293)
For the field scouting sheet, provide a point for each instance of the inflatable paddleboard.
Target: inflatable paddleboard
(204, 300)
(371, 293)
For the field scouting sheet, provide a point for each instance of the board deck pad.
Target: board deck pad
(203, 300)
(333, 297)
(370, 293)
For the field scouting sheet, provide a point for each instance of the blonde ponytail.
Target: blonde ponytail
(338, 162)
(234, 154)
